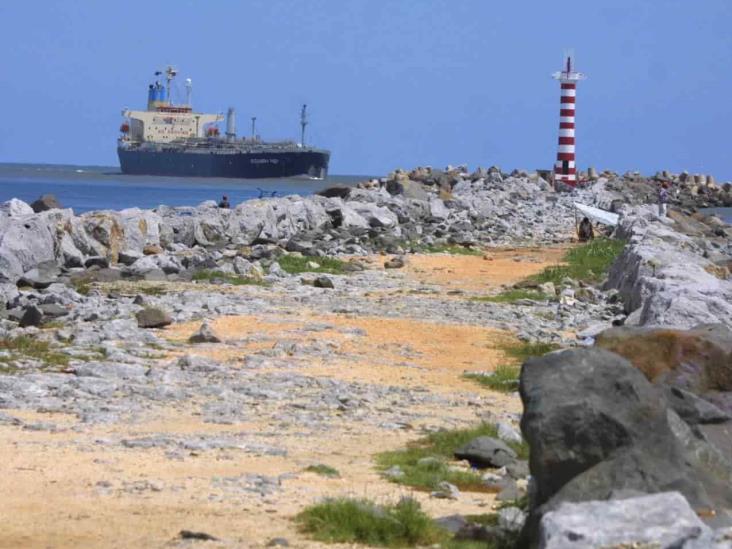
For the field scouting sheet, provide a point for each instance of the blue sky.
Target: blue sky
(389, 84)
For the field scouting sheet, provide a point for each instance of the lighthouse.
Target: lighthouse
(565, 169)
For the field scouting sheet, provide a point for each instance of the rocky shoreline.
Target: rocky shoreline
(94, 290)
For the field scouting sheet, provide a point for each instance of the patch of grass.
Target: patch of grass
(522, 503)
(586, 263)
(452, 249)
(152, 290)
(426, 474)
(236, 280)
(323, 470)
(52, 325)
(26, 347)
(523, 350)
(505, 377)
(345, 520)
(82, 285)
(294, 264)
(515, 294)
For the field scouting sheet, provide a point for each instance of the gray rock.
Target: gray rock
(46, 202)
(396, 262)
(32, 316)
(445, 490)
(153, 317)
(511, 519)
(395, 472)
(452, 523)
(507, 433)
(323, 282)
(24, 244)
(486, 452)
(595, 424)
(692, 409)
(96, 261)
(205, 334)
(662, 520)
(41, 276)
(15, 208)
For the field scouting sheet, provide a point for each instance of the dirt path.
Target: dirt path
(74, 486)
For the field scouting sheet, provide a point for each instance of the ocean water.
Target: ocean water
(85, 188)
(724, 213)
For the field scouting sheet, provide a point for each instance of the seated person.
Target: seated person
(586, 231)
(224, 202)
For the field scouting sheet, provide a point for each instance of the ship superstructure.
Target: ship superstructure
(172, 139)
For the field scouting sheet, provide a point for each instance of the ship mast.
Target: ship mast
(303, 123)
(170, 73)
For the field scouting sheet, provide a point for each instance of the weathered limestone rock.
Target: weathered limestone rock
(24, 243)
(15, 208)
(486, 452)
(205, 334)
(660, 520)
(153, 317)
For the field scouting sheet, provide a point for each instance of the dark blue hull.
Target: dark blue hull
(243, 164)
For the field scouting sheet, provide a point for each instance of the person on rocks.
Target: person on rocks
(585, 232)
(662, 199)
(224, 202)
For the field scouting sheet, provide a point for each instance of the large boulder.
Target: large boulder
(42, 275)
(15, 208)
(596, 425)
(144, 228)
(486, 451)
(25, 243)
(663, 276)
(153, 317)
(660, 520)
(697, 360)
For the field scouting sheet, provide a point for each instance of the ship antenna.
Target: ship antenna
(303, 123)
(170, 73)
(254, 127)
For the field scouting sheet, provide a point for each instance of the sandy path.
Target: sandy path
(73, 488)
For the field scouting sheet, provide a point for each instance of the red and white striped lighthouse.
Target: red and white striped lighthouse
(565, 169)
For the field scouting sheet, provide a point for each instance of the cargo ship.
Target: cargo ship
(172, 139)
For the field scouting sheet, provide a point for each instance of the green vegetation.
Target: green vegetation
(346, 520)
(505, 377)
(295, 264)
(587, 263)
(323, 470)
(151, 290)
(236, 280)
(452, 249)
(425, 463)
(25, 347)
(82, 284)
(515, 294)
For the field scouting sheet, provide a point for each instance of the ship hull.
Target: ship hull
(249, 165)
